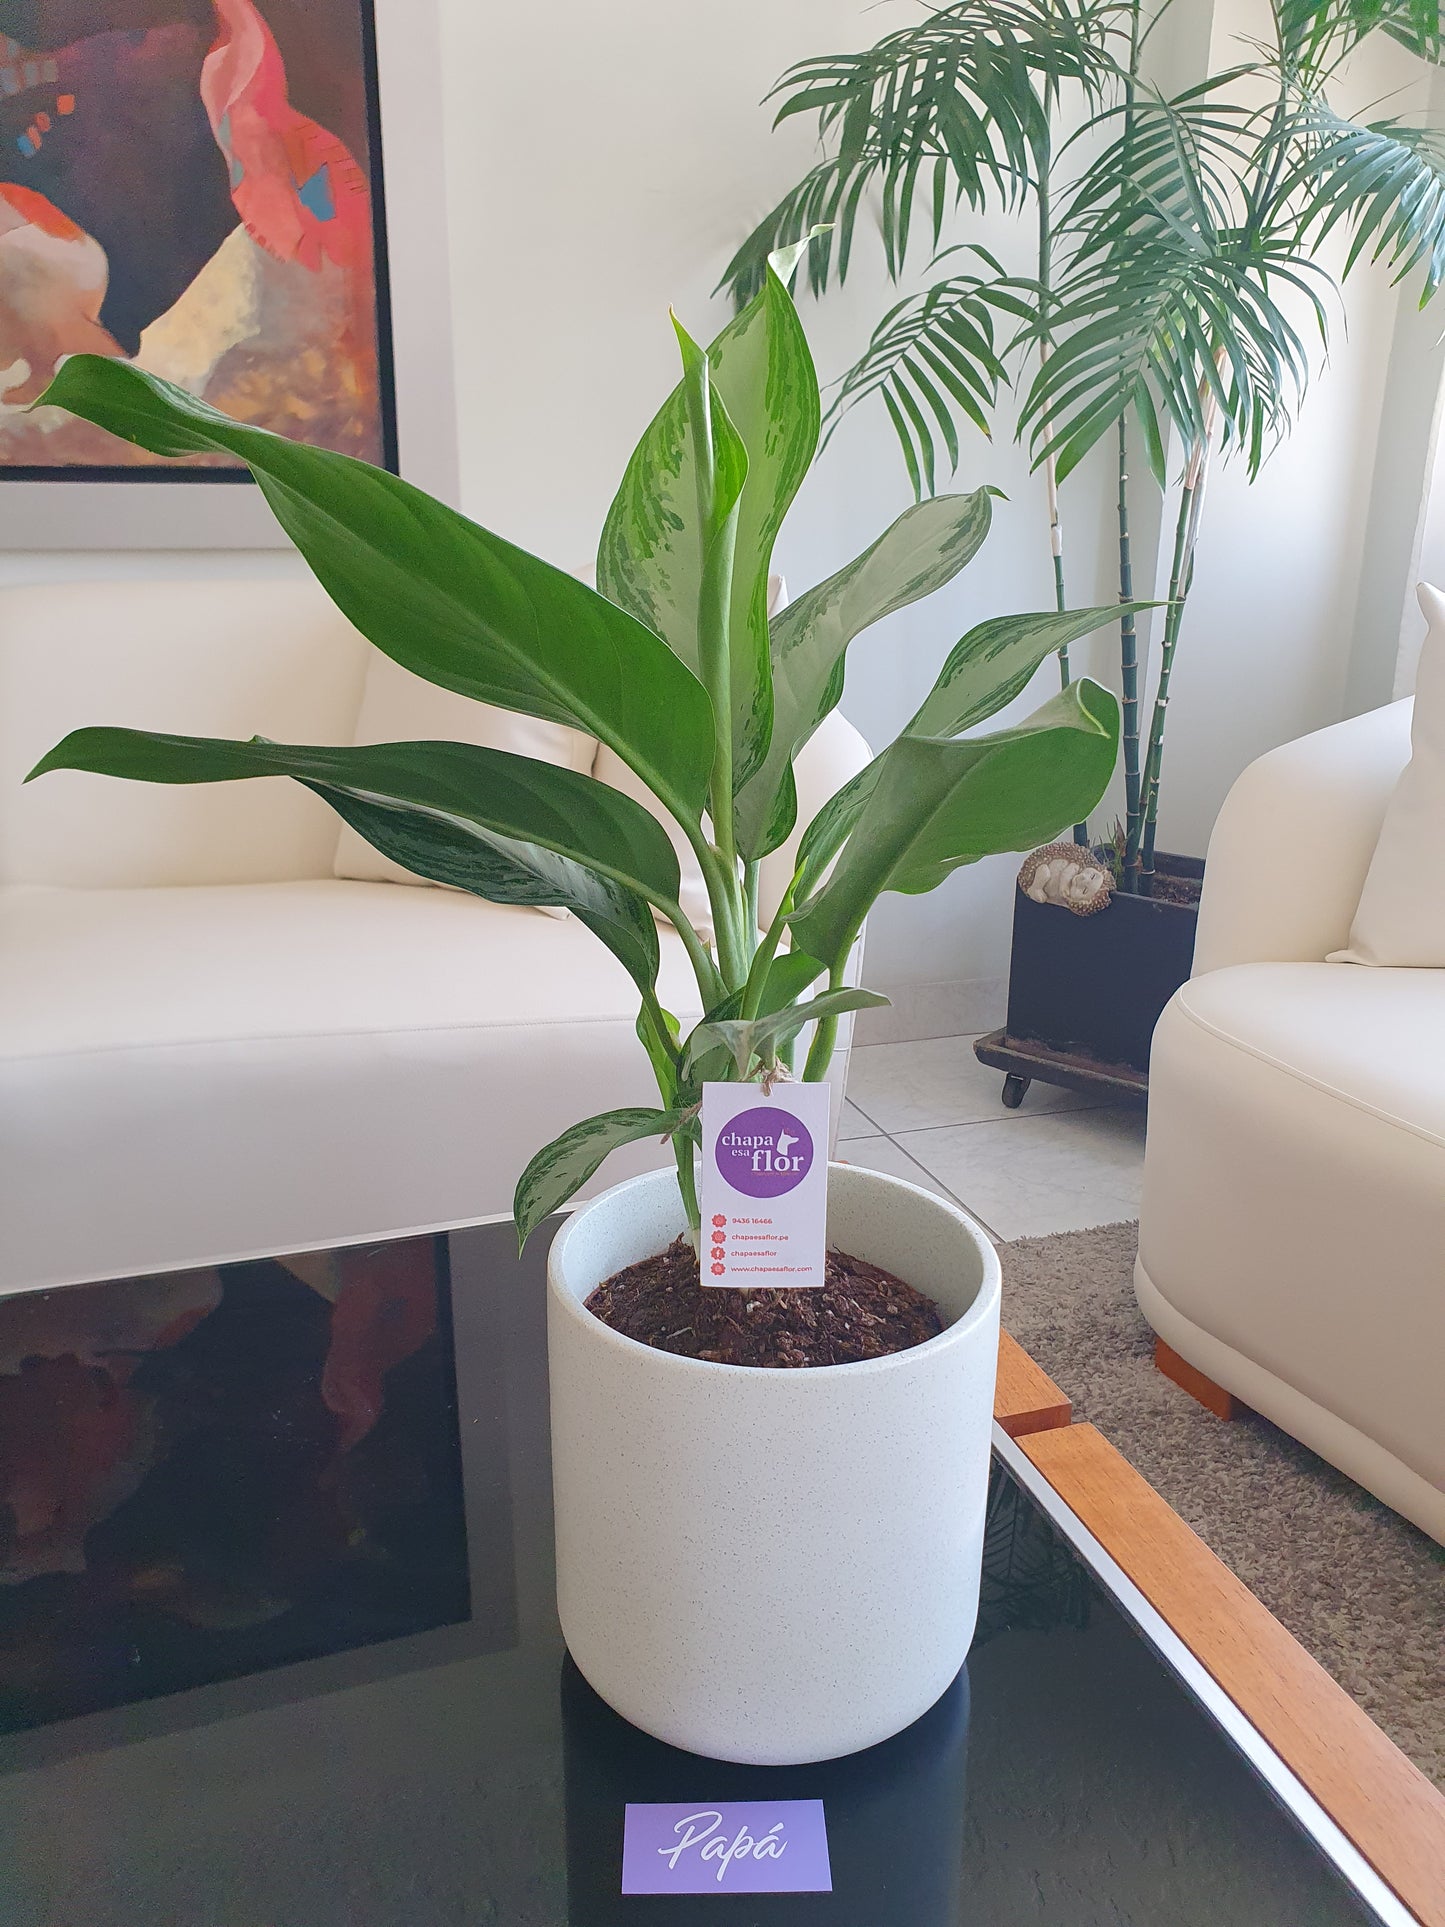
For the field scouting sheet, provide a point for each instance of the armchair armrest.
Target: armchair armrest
(1289, 853)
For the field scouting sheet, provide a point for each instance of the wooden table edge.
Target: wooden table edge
(1379, 1799)
(1025, 1398)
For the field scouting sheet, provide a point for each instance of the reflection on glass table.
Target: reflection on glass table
(450, 1769)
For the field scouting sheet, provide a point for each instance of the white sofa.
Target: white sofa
(210, 1047)
(1292, 1233)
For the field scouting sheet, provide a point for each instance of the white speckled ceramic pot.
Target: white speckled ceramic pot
(772, 1566)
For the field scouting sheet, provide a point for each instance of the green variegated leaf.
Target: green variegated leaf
(991, 665)
(508, 828)
(650, 560)
(562, 1167)
(996, 661)
(515, 798)
(747, 1038)
(938, 802)
(443, 597)
(925, 548)
(506, 871)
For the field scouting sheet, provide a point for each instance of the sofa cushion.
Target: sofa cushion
(189, 1075)
(1401, 914)
(1373, 1040)
(206, 658)
(398, 707)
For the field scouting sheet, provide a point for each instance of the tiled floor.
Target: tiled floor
(930, 1112)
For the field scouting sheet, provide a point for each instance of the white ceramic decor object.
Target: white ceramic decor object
(772, 1567)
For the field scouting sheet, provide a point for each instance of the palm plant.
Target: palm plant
(675, 667)
(1177, 284)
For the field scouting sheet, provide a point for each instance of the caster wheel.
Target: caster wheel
(1014, 1088)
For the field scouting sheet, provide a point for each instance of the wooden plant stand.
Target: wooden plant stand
(1023, 1060)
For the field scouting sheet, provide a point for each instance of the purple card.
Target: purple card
(732, 1847)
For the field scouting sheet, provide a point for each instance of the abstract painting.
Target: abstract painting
(192, 186)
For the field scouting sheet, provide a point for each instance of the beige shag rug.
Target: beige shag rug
(1358, 1587)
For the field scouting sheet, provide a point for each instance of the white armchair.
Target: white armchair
(210, 1046)
(1292, 1233)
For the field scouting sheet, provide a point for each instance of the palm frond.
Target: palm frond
(1176, 301)
(1384, 181)
(1177, 158)
(1178, 331)
(952, 111)
(1314, 36)
(933, 358)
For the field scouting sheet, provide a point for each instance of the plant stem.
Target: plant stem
(1181, 578)
(1128, 627)
(1043, 188)
(1129, 675)
(752, 883)
(687, 1185)
(825, 1037)
(710, 983)
(763, 957)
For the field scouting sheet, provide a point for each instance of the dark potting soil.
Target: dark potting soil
(859, 1312)
(1167, 888)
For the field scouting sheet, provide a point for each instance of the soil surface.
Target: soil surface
(859, 1312)
(1171, 889)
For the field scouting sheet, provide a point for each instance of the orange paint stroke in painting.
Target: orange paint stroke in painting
(39, 212)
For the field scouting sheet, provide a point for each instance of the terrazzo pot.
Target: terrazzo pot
(772, 1567)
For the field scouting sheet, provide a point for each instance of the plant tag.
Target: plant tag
(764, 1185)
(734, 1847)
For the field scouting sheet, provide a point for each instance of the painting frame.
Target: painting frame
(168, 509)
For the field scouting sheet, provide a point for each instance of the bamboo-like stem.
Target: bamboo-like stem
(1181, 580)
(1044, 192)
(1129, 676)
(1043, 189)
(1128, 627)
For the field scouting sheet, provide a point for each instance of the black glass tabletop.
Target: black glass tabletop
(278, 1648)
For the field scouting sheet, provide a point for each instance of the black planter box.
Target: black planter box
(1095, 986)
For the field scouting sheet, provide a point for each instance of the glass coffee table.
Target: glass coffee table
(278, 1648)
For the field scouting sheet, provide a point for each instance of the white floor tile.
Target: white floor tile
(917, 1087)
(882, 1154)
(853, 1124)
(1030, 1176)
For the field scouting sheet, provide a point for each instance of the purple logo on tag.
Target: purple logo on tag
(737, 1847)
(764, 1153)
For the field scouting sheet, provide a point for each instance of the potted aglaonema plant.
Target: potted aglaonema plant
(753, 1563)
